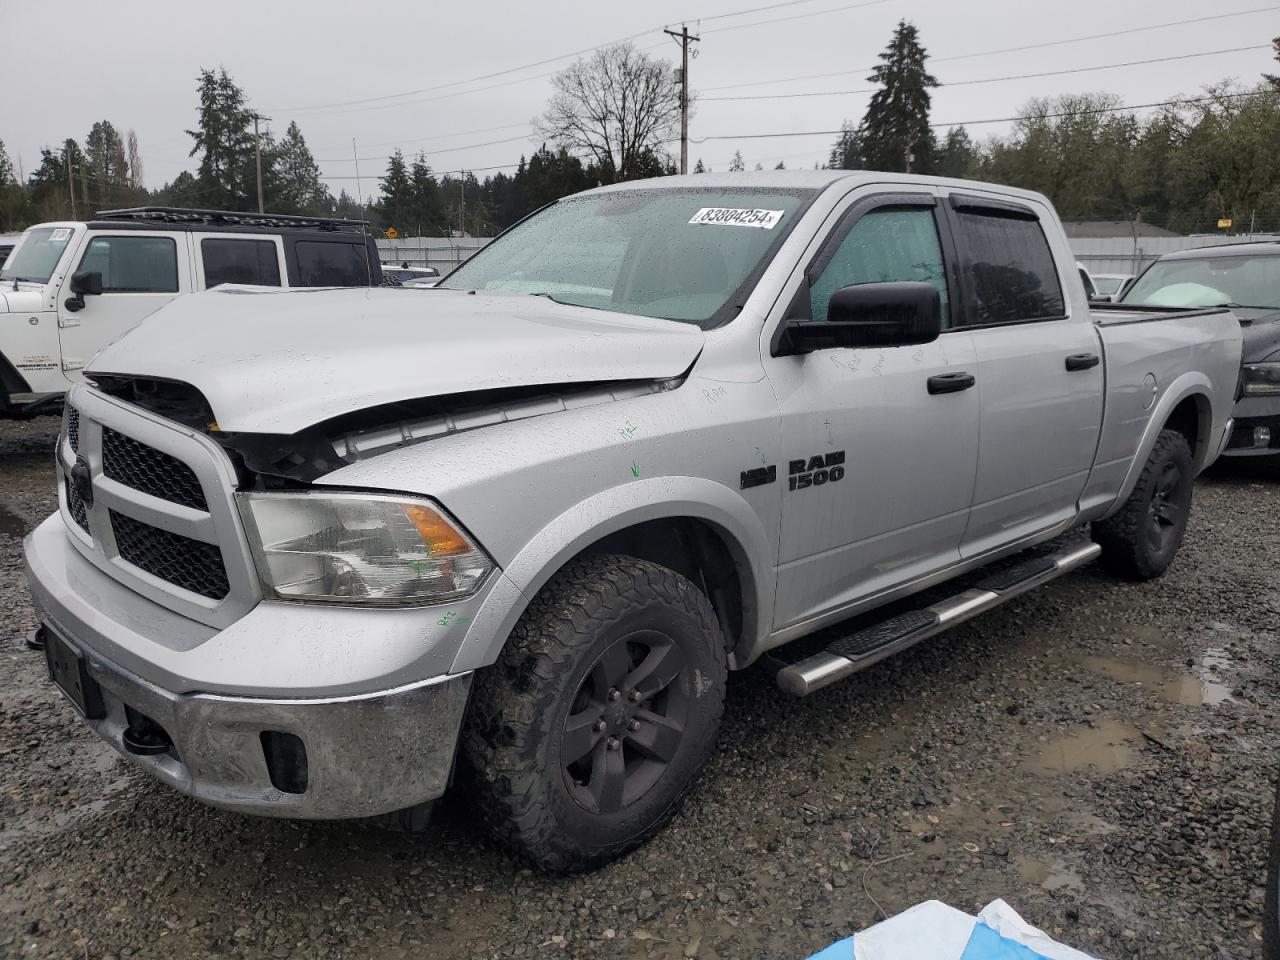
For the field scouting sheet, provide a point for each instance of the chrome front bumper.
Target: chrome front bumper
(345, 689)
(359, 756)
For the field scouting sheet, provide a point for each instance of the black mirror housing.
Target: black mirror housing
(86, 282)
(894, 314)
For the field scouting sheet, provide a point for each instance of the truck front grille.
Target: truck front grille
(76, 505)
(147, 469)
(189, 564)
(162, 519)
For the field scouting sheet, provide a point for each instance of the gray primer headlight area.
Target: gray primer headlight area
(356, 548)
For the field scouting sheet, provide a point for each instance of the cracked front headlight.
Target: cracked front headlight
(360, 548)
(1261, 379)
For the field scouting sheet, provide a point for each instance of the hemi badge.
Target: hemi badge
(759, 476)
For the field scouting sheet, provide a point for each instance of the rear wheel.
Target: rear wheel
(592, 727)
(1140, 541)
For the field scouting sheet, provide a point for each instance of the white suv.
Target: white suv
(71, 288)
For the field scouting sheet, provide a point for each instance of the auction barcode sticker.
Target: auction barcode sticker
(738, 217)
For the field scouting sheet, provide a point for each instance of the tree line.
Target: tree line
(612, 117)
(1191, 163)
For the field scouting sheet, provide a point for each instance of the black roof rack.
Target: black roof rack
(229, 218)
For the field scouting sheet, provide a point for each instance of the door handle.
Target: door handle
(1082, 361)
(951, 382)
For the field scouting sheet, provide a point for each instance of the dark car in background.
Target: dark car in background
(1246, 277)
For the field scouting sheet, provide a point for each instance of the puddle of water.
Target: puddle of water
(1053, 875)
(12, 525)
(1105, 748)
(1165, 682)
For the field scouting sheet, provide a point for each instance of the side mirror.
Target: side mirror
(894, 314)
(85, 282)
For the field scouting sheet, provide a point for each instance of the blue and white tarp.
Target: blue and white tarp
(934, 931)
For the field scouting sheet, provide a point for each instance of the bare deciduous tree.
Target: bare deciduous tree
(618, 107)
(135, 162)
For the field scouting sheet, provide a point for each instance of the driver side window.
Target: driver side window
(892, 243)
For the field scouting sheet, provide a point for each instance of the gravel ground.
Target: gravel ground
(1098, 754)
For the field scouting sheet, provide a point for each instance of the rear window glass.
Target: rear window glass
(240, 261)
(322, 264)
(133, 264)
(1010, 269)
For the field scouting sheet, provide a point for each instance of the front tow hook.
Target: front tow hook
(35, 638)
(144, 737)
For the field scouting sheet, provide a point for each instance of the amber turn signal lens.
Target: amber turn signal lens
(439, 535)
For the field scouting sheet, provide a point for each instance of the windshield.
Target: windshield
(37, 254)
(1108, 286)
(1246, 281)
(676, 254)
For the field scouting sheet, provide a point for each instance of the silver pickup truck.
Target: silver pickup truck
(312, 546)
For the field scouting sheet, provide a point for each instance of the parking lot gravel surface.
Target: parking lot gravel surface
(1099, 754)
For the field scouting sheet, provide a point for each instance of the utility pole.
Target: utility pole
(462, 205)
(684, 38)
(71, 190)
(257, 154)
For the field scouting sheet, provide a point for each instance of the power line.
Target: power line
(743, 13)
(985, 53)
(476, 79)
(362, 102)
(1020, 76)
(469, 146)
(444, 136)
(1111, 33)
(796, 16)
(974, 123)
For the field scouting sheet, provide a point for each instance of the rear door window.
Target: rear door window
(133, 264)
(1011, 274)
(331, 264)
(240, 261)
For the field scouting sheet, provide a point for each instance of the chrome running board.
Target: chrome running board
(870, 645)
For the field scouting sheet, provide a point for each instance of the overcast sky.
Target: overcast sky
(134, 62)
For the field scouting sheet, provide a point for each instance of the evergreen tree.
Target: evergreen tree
(300, 189)
(736, 164)
(224, 139)
(425, 208)
(397, 193)
(846, 154)
(895, 132)
(107, 168)
(780, 166)
(12, 196)
(698, 167)
(347, 207)
(1271, 77)
(957, 157)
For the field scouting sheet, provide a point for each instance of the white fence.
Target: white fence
(1131, 255)
(443, 253)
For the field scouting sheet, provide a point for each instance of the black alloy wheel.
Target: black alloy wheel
(626, 722)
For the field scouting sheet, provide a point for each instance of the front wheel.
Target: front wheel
(1140, 540)
(585, 736)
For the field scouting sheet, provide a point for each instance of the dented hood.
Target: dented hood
(278, 361)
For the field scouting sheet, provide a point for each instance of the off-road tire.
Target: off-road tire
(1136, 543)
(514, 735)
